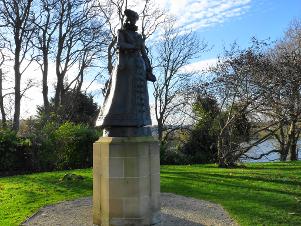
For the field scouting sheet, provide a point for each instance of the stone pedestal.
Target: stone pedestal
(126, 181)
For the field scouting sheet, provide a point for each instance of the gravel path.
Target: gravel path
(175, 211)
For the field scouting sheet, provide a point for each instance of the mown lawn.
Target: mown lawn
(260, 194)
(21, 196)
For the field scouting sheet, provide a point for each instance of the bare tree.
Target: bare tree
(3, 114)
(79, 39)
(92, 49)
(152, 18)
(285, 103)
(43, 41)
(17, 29)
(71, 35)
(278, 76)
(242, 102)
(113, 12)
(175, 51)
(261, 83)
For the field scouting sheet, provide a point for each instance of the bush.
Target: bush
(172, 156)
(74, 145)
(46, 147)
(214, 138)
(43, 146)
(61, 138)
(201, 143)
(76, 107)
(14, 152)
(201, 146)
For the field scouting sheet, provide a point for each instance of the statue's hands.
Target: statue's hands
(150, 76)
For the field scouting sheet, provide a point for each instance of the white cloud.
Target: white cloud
(198, 14)
(200, 65)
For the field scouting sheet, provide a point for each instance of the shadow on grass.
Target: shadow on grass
(269, 177)
(56, 183)
(270, 195)
(235, 182)
(284, 166)
(241, 201)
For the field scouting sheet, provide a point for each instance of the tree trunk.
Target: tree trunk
(58, 91)
(220, 157)
(58, 60)
(16, 121)
(45, 83)
(160, 131)
(283, 153)
(292, 154)
(1, 101)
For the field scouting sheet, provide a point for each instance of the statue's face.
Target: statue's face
(133, 20)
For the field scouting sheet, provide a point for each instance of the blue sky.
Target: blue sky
(262, 19)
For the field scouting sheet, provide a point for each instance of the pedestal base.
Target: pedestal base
(126, 181)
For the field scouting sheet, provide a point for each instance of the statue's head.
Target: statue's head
(131, 16)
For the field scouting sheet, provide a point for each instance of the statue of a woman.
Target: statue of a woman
(126, 109)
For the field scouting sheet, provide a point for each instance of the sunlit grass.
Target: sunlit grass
(21, 196)
(260, 194)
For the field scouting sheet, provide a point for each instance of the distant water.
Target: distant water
(266, 147)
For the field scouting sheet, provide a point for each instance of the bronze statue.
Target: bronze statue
(126, 109)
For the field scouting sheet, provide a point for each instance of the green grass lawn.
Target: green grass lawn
(21, 196)
(260, 194)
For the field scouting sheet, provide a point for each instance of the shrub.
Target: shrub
(43, 146)
(14, 152)
(200, 146)
(172, 156)
(46, 146)
(201, 143)
(74, 145)
(76, 107)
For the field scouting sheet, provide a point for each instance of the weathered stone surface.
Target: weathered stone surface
(126, 181)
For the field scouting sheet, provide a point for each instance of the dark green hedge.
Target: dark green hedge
(50, 147)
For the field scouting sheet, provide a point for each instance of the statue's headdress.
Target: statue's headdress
(131, 14)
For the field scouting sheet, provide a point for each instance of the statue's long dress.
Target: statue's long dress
(127, 103)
